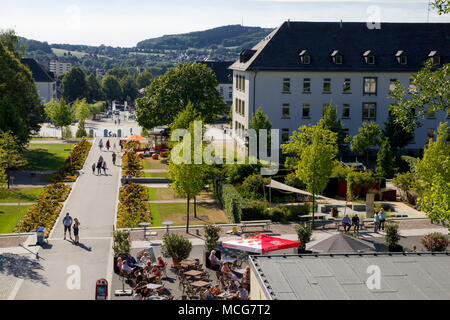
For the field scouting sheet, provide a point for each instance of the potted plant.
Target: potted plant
(121, 246)
(304, 233)
(212, 236)
(435, 242)
(176, 247)
(393, 237)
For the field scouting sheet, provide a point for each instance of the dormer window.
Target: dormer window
(401, 57)
(435, 58)
(337, 58)
(305, 57)
(369, 57)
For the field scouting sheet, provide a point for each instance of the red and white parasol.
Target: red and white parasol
(261, 244)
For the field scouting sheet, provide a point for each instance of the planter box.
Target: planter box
(358, 207)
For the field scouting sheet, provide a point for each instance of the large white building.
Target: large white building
(45, 81)
(59, 67)
(302, 66)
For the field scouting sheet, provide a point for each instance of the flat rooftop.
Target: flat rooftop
(404, 276)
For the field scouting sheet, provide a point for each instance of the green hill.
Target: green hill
(233, 37)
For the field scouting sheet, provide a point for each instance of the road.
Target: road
(68, 271)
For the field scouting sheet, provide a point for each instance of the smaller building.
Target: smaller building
(60, 67)
(371, 276)
(45, 81)
(224, 78)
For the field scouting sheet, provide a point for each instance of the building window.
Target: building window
(237, 82)
(327, 85)
(370, 60)
(338, 59)
(236, 106)
(370, 86)
(306, 59)
(347, 86)
(392, 84)
(431, 113)
(346, 111)
(436, 60)
(285, 110)
(306, 111)
(403, 60)
(307, 85)
(243, 108)
(230, 93)
(285, 134)
(369, 111)
(286, 85)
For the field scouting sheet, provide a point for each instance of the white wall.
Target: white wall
(46, 90)
(269, 96)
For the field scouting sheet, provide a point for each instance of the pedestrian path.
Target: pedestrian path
(68, 271)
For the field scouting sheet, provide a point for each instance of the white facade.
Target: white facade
(58, 67)
(47, 91)
(226, 90)
(265, 89)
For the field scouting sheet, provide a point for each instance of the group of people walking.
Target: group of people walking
(101, 165)
(107, 145)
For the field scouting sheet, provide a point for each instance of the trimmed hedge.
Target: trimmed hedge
(133, 207)
(132, 164)
(230, 199)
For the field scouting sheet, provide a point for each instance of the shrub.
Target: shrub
(67, 132)
(176, 247)
(253, 187)
(304, 233)
(230, 199)
(133, 207)
(340, 172)
(132, 164)
(254, 210)
(435, 242)
(75, 162)
(81, 131)
(292, 180)
(358, 179)
(238, 172)
(121, 244)
(212, 236)
(392, 237)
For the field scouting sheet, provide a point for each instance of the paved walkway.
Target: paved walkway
(93, 202)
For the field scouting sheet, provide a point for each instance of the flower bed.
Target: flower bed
(133, 207)
(435, 242)
(132, 164)
(75, 162)
(45, 212)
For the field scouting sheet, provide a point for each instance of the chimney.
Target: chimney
(289, 23)
(341, 24)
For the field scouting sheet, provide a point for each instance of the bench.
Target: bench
(265, 224)
(339, 225)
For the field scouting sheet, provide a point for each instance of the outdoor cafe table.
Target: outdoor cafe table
(228, 259)
(188, 262)
(153, 286)
(200, 284)
(140, 265)
(240, 271)
(225, 295)
(193, 273)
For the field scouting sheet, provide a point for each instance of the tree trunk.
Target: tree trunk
(187, 217)
(313, 205)
(195, 207)
(62, 137)
(8, 177)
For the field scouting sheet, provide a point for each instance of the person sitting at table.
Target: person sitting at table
(119, 263)
(245, 281)
(207, 294)
(160, 263)
(126, 269)
(145, 257)
(242, 293)
(155, 271)
(233, 287)
(215, 290)
(137, 295)
(226, 269)
(346, 222)
(215, 263)
(355, 222)
(131, 261)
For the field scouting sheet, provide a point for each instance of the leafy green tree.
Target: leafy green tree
(94, 89)
(144, 79)
(398, 136)
(11, 156)
(430, 93)
(358, 179)
(82, 112)
(260, 121)
(74, 85)
(185, 118)
(20, 108)
(253, 187)
(369, 136)
(405, 182)
(60, 113)
(188, 179)
(12, 42)
(111, 87)
(385, 161)
(167, 95)
(442, 6)
(331, 122)
(315, 148)
(129, 88)
(433, 172)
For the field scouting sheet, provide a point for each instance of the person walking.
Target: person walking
(99, 167)
(100, 144)
(67, 222)
(108, 144)
(376, 221)
(93, 168)
(104, 167)
(382, 216)
(76, 229)
(114, 156)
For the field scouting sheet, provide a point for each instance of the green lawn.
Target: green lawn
(149, 163)
(176, 212)
(9, 217)
(46, 156)
(156, 175)
(27, 195)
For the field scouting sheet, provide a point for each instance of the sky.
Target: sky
(125, 23)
